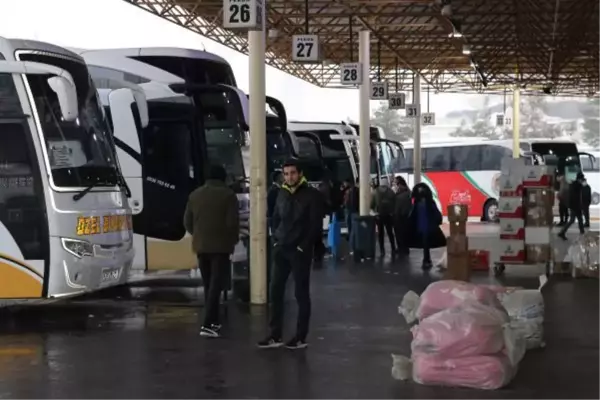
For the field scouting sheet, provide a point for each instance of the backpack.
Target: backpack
(386, 200)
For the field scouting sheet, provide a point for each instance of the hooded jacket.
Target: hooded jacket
(297, 217)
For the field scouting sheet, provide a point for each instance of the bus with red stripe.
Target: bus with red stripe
(467, 171)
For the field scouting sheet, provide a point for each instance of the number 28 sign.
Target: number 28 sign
(243, 14)
(351, 74)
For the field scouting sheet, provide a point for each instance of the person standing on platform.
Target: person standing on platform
(402, 207)
(382, 202)
(586, 201)
(212, 218)
(425, 220)
(296, 221)
(351, 198)
(575, 206)
(563, 200)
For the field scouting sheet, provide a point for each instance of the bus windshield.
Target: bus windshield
(80, 152)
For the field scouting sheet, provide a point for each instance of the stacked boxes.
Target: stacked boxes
(525, 211)
(538, 203)
(457, 246)
(510, 212)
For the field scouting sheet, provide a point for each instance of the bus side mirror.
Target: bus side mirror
(67, 96)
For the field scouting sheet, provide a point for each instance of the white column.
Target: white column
(364, 150)
(515, 121)
(258, 170)
(417, 131)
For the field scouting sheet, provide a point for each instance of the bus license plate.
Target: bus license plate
(110, 275)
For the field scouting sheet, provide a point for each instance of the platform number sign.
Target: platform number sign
(508, 121)
(500, 120)
(351, 73)
(397, 101)
(413, 111)
(428, 118)
(379, 90)
(243, 14)
(305, 48)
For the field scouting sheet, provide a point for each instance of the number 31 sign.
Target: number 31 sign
(243, 14)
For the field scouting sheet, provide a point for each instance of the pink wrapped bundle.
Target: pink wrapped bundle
(448, 294)
(487, 372)
(466, 330)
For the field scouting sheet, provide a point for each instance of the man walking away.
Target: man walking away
(212, 218)
(575, 206)
(296, 221)
(382, 203)
(402, 207)
(586, 200)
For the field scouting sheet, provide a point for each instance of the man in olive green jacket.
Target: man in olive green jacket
(212, 218)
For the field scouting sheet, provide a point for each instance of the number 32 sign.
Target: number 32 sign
(243, 14)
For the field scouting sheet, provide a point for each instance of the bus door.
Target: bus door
(279, 146)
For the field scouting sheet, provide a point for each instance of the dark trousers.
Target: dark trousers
(586, 215)
(290, 261)
(214, 269)
(426, 250)
(574, 214)
(320, 248)
(385, 222)
(563, 212)
(401, 237)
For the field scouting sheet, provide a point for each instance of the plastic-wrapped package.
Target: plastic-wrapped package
(445, 294)
(401, 367)
(469, 329)
(585, 256)
(486, 372)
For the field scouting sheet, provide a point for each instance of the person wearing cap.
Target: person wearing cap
(212, 218)
(575, 206)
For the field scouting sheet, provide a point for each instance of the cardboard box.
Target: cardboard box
(538, 235)
(457, 244)
(458, 212)
(512, 251)
(458, 228)
(539, 197)
(538, 176)
(539, 216)
(458, 268)
(512, 166)
(538, 253)
(479, 260)
(510, 207)
(510, 186)
(512, 228)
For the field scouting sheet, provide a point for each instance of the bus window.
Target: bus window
(465, 158)
(405, 164)
(491, 157)
(587, 165)
(436, 159)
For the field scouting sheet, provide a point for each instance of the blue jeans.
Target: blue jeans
(352, 232)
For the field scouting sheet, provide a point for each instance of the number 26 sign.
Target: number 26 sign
(243, 14)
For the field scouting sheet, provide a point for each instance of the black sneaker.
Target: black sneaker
(270, 343)
(216, 327)
(296, 344)
(209, 332)
(562, 236)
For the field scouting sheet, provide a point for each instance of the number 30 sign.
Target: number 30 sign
(243, 14)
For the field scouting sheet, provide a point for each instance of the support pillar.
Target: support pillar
(417, 131)
(364, 149)
(258, 169)
(515, 121)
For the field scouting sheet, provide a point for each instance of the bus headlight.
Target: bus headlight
(78, 248)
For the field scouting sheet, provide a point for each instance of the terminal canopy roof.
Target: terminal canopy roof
(545, 46)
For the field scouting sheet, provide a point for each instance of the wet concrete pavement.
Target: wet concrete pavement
(144, 343)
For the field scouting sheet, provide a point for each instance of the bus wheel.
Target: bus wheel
(490, 211)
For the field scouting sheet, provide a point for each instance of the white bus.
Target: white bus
(467, 171)
(65, 224)
(191, 125)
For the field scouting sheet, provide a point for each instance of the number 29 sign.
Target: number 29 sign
(243, 14)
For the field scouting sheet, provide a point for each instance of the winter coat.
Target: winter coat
(435, 235)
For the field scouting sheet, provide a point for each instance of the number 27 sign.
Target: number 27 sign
(243, 14)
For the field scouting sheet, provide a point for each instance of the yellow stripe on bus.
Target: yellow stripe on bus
(16, 283)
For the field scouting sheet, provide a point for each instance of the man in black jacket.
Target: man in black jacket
(296, 220)
(586, 200)
(575, 206)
